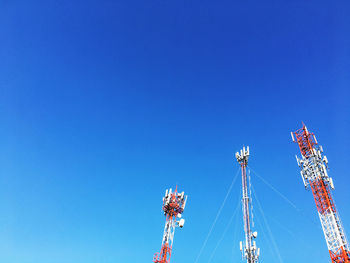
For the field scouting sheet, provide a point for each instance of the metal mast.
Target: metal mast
(249, 250)
(313, 167)
(173, 206)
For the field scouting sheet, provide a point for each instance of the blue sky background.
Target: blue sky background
(105, 104)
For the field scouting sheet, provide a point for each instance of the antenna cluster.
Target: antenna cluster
(174, 203)
(243, 155)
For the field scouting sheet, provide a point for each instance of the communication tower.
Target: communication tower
(248, 247)
(173, 207)
(314, 165)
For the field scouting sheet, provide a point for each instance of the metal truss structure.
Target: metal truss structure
(173, 206)
(249, 249)
(314, 167)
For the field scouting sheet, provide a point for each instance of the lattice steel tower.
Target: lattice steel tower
(173, 206)
(249, 249)
(314, 167)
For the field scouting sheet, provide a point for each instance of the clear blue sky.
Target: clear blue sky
(105, 104)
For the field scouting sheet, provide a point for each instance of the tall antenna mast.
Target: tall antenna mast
(313, 167)
(249, 249)
(173, 206)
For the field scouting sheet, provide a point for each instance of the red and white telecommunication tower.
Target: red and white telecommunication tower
(249, 249)
(173, 207)
(314, 165)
